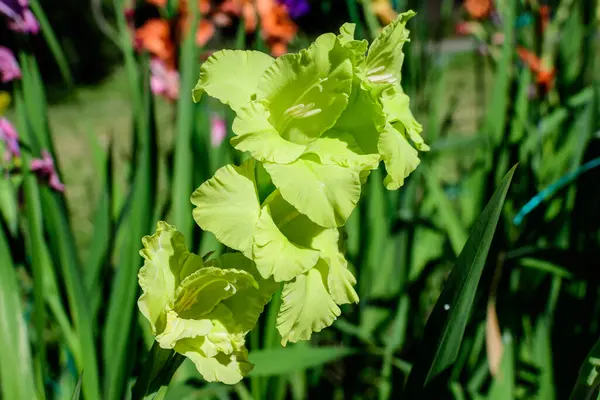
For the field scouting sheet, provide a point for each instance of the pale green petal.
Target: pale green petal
(396, 105)
(232, 76)
(274, 254)
(340, 280)
(178, 328)
(166, 262)
(398, 155)
(358, 48)
(363, 118)
(340, 148)
(199, 293)
(306, 307)
(385, 57)
(225, 334)
(327, 194)
(227, 205)
(225, 368)
(256, 135)
(307, 92)
(247, 304)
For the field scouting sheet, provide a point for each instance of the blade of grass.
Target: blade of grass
(283, 361)
(52, 41)
(446, 325)
(16, 373)
(503, 384)
(448, 216)
(118, 335)
(181, 207)
(588, 381)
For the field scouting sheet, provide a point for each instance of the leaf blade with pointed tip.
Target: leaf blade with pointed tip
(446, 325)
(282, 361)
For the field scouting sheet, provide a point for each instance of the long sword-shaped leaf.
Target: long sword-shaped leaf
(446, 325)
(16, 375)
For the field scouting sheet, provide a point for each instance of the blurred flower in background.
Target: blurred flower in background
(10, 140)
(218, 130)
(384, 10)
(164, 80)
(296, 8)
(9, 68)
(45, 170)
(478, 9)
(21, 19)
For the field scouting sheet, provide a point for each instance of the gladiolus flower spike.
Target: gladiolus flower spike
(315, 124)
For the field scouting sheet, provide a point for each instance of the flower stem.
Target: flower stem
(159, 368)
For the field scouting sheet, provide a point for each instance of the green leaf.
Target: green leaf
(16, 372)
(227, 205)
(327, 194)
(308, 91)
(77, 391)
(588, 381)
(446, 325)
(307, 306)
(448, 216)
(503, 384)
(283, 361)
(399, 156)
(232, 76)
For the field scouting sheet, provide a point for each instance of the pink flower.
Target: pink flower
(10, 138)
(9, 68)
(44, 169)
(20, 16)
(164, 81)
(218, 130)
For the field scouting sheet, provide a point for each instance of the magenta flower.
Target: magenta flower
(218, 130)
(164, 81)
(10, 138)
(9, 68)
(21, 19)
(44, 169)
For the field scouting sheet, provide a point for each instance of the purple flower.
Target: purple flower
(10, 138)
(296, 8)
(44, 169)
(164, 81)
(9, 68)
(20, 16)
(218, 130)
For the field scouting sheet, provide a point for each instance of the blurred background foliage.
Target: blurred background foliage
(494, 83)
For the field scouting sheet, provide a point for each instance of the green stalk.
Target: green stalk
(181, 208)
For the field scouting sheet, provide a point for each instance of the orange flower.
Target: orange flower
(384, 10)
(277, 27)
(545, 16)
(241, 8)
(478, 9)
(544, 76)
(155, 37)
(158, 3)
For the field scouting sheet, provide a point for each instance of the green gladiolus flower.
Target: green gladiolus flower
(284, 243)
(321, 119)
(201, 310)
